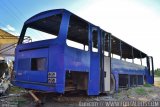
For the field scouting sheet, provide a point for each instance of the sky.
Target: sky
(137, 22)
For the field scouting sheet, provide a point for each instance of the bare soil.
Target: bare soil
(141, 93)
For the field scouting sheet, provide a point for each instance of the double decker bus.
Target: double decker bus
(51, 62)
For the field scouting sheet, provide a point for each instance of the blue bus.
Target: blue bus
(51, 65)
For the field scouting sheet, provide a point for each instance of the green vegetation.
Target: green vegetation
(140, 91)
(157, 72)
(129, 92)
(15, 90)
(147, 85)
(150, 91)
(18, 102)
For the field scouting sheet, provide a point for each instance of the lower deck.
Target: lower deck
(128, 74)
(122, 74)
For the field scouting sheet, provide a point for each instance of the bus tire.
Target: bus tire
(112, 85)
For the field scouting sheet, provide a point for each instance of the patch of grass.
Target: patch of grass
(117, 95)
(128, 92)
(150, 91)
(140, 91)
(157, 73)
(147, 85)
(19, 102)
(15, 89)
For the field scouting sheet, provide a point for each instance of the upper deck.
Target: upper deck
(42, 22)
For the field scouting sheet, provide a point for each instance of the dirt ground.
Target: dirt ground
(23, 99)
(157, 81)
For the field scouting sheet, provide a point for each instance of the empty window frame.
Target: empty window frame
(94, 40)
(38, 64)
(150, 66)
(43, 29)
(106, 44)
(77, 33)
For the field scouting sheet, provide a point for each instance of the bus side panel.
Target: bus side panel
(79, 61)
(123, 67)
(56, 64)
(94, 75)
(76, 59)
(149, 78)
(25, 72)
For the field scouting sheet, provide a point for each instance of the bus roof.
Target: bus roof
(127, 49)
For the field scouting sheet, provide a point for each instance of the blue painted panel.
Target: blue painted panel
(123, 67)
(76, 59)
(44, 15)
(64, 28)
(25, 51)
(56, 64)
(149, 78)
(28, 74)
(94, 75)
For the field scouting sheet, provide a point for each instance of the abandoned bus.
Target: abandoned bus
(52, 65)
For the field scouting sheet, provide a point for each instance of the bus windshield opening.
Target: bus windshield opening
(43, 29)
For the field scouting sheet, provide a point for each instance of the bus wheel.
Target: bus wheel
(113, 84)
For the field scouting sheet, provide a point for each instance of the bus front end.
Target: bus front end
(39, 63)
